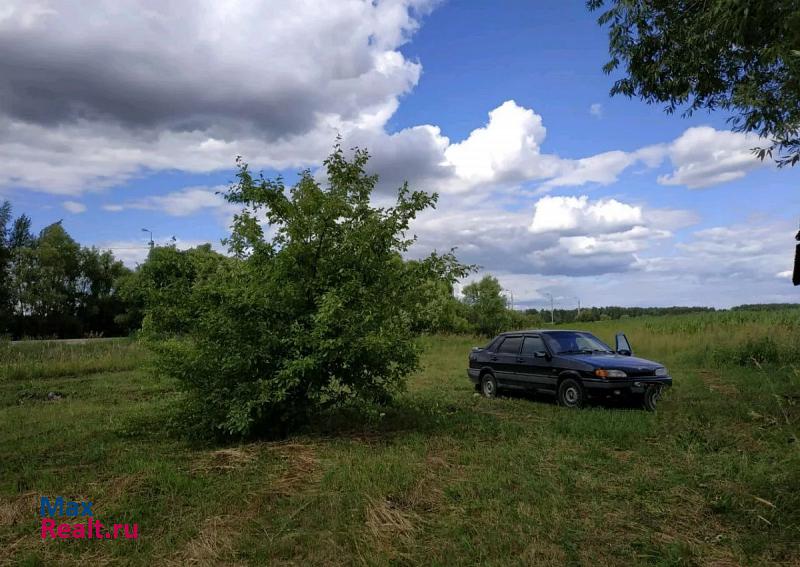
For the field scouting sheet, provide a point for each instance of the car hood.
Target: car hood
(615, 361)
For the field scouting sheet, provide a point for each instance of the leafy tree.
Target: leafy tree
(5, 269)
(521, 320)
(47, 277)
(320, 313)
(51, 286)
(737, 55)
(434, 305)
(487, 307)
(21, 235)
(98, 302)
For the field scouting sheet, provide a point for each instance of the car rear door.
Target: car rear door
(534, 366)
(504, 360)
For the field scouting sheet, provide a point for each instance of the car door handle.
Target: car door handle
(520, 360)
(493, 358)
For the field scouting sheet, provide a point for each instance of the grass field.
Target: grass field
(443, 477)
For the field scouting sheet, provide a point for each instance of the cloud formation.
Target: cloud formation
(566, 236)
(74, 207)
(82, 109)
(577, 214)
(703, 156)
(61, 65)
(185, 202)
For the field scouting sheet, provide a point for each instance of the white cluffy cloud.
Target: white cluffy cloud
(703, 156)
(185, 202)
(508, 147)
(596, 110)
(74, 207)
(571, 214)
(507, 152)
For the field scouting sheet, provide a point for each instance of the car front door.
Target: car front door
(504, 360)
(534, 361)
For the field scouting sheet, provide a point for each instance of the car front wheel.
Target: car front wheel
(570, 393)
(651, 397)
(488, 386)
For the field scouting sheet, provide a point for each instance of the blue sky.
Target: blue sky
(560, 190)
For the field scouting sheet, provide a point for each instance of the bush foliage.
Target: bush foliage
(314, 307)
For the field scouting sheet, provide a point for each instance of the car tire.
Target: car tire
(570, 393)
(488, 386)
(650, 397)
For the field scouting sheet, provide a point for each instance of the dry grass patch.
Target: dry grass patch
(18, 509)
(389, 523)
(212, 543)
(117, 487)
(713, 380)
(690, 521)
(302, 466)
(215, 541)
(230, 458)
(544, 552)
(427, 494)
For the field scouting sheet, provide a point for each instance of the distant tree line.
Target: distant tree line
(50, 286)
(611, 312)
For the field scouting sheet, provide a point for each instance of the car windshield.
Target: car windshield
(573, 342)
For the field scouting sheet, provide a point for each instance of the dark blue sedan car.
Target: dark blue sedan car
(573, 365)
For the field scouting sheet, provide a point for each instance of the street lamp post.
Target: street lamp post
(152, 244)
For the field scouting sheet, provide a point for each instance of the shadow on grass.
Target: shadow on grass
(616, 402)
(421, 416)
(407, 415)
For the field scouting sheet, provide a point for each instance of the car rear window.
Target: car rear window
(510, 345)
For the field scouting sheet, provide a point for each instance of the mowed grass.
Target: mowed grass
(443, 477)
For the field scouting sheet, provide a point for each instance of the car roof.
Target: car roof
(529, 331)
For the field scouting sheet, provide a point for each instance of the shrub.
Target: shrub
(321, 313)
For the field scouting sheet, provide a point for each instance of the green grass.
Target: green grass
(443, 477)
(32, 360)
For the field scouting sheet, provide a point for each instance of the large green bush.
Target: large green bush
(314, 307)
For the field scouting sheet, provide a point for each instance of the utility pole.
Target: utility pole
(552, 317)
(511, 293)
(579, 306)
(152, 244)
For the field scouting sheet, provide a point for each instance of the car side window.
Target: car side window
(532, 345)
(510, 345)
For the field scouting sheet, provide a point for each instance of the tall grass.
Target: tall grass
(49, 359)
(712, 339)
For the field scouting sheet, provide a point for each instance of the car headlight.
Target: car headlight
(603, 373)
(661, 371)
